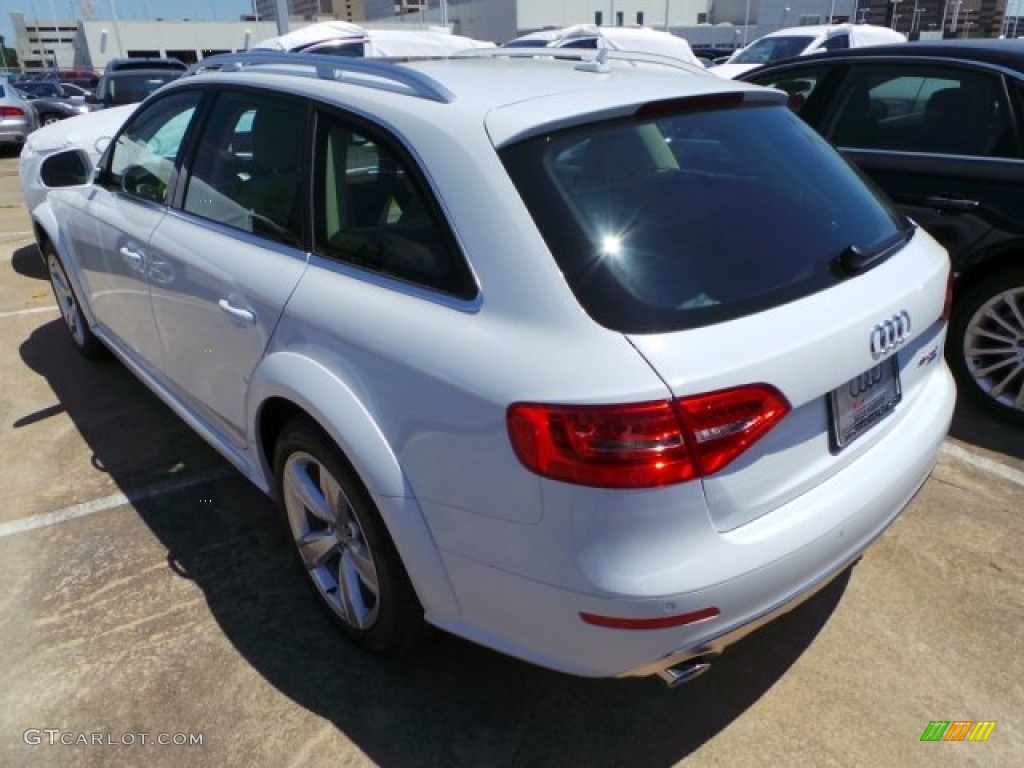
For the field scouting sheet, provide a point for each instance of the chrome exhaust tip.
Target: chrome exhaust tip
(684, 672)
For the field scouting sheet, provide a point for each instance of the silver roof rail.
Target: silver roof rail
(383, 75)
(591, 59)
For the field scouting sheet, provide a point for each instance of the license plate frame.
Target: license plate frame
(862, 402)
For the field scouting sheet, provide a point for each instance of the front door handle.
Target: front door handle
(958, 204)
(242, 314)
(132, 257)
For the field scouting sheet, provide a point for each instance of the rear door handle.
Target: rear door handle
(952, 203)
(242, 314)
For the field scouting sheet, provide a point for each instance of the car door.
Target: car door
(940, 139)
(231, 252)
(111, 230)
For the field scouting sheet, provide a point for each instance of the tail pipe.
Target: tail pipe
(684, 672)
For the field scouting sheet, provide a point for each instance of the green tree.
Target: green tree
(8, 56)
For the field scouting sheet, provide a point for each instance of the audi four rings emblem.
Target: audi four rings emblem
(889, 334)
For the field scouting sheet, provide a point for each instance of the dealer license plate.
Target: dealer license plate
(863, 401)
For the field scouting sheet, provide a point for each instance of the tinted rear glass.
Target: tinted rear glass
(696, 217)
(131, 87)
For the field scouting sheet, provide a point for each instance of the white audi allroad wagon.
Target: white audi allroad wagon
(601, 364)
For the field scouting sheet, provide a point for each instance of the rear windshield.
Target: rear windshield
(132, 87)
(696, 217)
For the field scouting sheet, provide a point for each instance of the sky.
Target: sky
(133, 10)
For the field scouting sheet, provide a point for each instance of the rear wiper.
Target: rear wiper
(854, 259)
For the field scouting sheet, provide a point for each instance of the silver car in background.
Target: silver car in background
(17, 117)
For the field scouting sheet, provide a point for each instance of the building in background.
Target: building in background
(312, 10)
(74, 44)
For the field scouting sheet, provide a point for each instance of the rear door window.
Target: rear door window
(696, 217)
(931, 109)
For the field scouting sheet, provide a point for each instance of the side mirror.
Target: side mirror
(70, 168)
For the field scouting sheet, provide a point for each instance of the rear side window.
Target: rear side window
(373, 212)
(836, 43)
(696, 217)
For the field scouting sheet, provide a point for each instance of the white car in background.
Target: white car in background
(93, 131)
(492, 333)
(632, 39)
(342, 38)
(804, 41)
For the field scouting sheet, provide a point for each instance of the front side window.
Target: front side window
(698, 216)
(248, 167)
(773, 49)
(145, 156)
(798, 84)
(836, 43)
(941, 110)
(373, 212)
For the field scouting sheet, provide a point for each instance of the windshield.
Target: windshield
(773, 49)
(696, 217)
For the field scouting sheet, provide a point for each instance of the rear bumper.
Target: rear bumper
(541, 623)
(14, 134)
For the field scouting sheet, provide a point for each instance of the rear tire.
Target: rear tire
(986, 343)
(70, 309)
(341, 542)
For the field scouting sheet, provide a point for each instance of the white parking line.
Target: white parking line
(75, 511)
(983, 463)
(33, 311)
(46, 519)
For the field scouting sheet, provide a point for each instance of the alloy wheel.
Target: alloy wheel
(994, 347)
(330, 541)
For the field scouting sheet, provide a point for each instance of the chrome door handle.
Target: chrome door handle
(952, 203)
(237, 313)
(133, 257)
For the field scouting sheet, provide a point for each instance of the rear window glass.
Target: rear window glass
(131, 88)
(696, 217)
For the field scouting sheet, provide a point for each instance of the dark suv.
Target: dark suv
(940, 128)
(118, 65)
(130, 86)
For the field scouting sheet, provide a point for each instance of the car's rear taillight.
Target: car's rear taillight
(643, 445)
(947, 305)
(6, 112)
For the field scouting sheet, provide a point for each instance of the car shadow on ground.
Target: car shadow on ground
(28, 262)
(973, 425)
(448, 702)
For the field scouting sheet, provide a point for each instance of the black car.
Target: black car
(940, 128)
